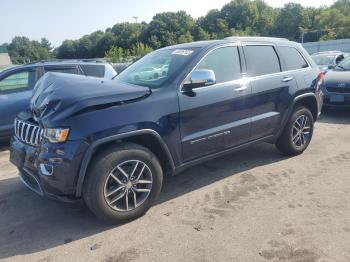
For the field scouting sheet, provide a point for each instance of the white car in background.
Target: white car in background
(151, 73)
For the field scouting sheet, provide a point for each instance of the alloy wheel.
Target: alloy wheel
(301, 131)
(128, 185)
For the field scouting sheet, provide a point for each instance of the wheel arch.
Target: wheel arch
(147, 138)
(308, 100)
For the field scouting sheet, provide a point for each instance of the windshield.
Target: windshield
(323, 59)
(344, 65)
(156, 68)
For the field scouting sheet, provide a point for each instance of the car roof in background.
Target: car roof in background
(329, 53)
(63, 62)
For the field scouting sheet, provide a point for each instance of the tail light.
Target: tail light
(320, 80)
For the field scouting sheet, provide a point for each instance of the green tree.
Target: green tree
(115, 55)
(23, 50)
(240, 14)
(214, 24)
(169, 28)
(289, 21)
(127, 34)
(67, 50)
(200, 34)
(140, 50)
(105, 43)
(266, 18)
(333, 23)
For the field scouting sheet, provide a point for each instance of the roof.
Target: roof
(58, 62)
(256, 39)
(5, 60)
(202, 44)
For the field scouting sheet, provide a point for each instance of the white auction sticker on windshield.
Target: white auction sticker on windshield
(182, 52)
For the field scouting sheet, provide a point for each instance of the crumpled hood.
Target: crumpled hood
(58, 95)
(334, 78)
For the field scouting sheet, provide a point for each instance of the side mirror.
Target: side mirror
(199, 78)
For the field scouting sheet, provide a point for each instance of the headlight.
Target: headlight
(56, 135)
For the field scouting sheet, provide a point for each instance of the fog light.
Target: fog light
(46, 170)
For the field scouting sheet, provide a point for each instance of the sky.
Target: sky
(58, 20)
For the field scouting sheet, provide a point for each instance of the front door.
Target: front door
(216, 117)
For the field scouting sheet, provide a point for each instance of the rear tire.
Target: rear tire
(297, 133)
(129, 173)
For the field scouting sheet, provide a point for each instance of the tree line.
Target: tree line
(238, 17)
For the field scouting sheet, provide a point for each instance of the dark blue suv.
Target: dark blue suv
(111, 141)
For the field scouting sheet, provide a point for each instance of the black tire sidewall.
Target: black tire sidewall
(285, 142)
(103, 165)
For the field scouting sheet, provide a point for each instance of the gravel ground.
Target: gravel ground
(253, 205)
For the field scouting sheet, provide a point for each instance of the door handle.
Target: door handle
(287, 79)
(241, 89)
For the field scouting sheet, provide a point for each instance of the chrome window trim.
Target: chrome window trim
(245, 77)
(270, 44)
(204, 56)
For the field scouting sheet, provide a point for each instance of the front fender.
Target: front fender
(93, 146)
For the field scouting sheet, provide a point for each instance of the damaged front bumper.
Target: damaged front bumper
(49, 170)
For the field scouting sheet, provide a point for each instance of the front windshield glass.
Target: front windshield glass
(156, 68)
(323, 59)
(344, 65)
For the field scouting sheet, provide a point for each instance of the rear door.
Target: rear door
(15, 92)
(271, 88)
(296, 64)
(216, 117)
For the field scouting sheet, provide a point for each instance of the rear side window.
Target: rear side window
(293, 59)
(224, 62)
(261, 60)
(94, 70)
(67, 70)
(18, 81)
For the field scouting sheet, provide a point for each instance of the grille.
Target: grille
(28, 133)
(338, 89)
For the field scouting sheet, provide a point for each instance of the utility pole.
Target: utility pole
(136, 18)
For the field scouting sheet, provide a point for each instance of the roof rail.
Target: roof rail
(92, 60)
(254, 38)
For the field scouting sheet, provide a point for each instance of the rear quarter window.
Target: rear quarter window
(292, 58)
(67, 70)
(94, 70)
(261, 60)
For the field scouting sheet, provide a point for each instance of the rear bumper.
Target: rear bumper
(336, 99)
(49, 170)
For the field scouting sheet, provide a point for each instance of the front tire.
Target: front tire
(122, 183)
(297, 133)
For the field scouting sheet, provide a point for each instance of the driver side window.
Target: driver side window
(225, 63)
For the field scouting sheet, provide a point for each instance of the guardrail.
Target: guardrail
(331, 45)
